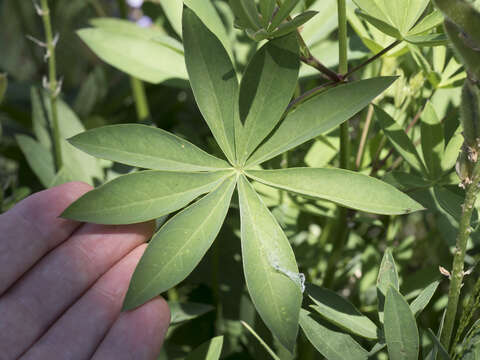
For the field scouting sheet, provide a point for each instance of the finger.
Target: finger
(78, 332)
(44, 293)
(138, 334)
(32, 228)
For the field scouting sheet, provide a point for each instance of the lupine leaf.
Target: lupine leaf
(266, 9)
(270, 268)
(432, 20)
(383, 26)
(177, 248)
(246, 13)
(401, 332)
(142, 196)
(333, 345)
(422, 300)
(266, 89)
(213, 80)
(39, 159)
(341, 312)
(293, 24)
(147, 60)
(320, 114)
(146, 147)
(427, 40)
(347, 188)
(181, 311)
(432, 138)
(387, 277)
(209, 350)
(282, 13)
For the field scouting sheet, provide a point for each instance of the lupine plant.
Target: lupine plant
(338, 166)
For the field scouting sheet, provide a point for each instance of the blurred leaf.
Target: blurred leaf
(347, 188)
(432, 138)
(341, 312)
(147, 60)
(185, 311)
(471, 343)
(450, 155)
(173, 11)
(260, 340)
(318, 115)
(406, 181)
(246, 13)
(266, 9)
(146, 147)
(401, 333)
(332, 344)
(93, 91)
(399, 139)
(422, 300)
(292, 25)
(387, 276)
(38, 158)
(267, 87)
(209, 350)
(142, 196)
(213, 80)
(177, 248)
(282, 13)
(271, 271)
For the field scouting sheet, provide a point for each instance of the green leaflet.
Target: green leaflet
(142, 196)
(246, 13)
(173, 11)
(332, 344)
(186, 311)
(318, 115)
(401, 333)
(146, 147)
(427, 40)
(439, 347)
(387, 277)
(213, 80)
(432, 20)
(347, 188)
(148, 60)
(433, 143)
(39, 159)
(266, 89)
(399, 139)
(209, 350)
(422, 300)
(271, 271)
(341, 312)
(266, 9)
(177, 248)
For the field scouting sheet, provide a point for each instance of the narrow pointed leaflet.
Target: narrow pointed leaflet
(177, 248)
(318, 115)
(266, 89)
(271, 271)
(145, 147)
(346, 188)
(213, 80)
(142, 196)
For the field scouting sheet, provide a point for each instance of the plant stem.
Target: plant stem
(138, 88)
(457, 273)
(140, 98)
(52, 82)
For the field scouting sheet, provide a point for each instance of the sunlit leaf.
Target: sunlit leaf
(146, 147)
(333, 345)
(147, 60)
(347, 188)
(432, 138)
(341, 312)
(422, 300)
(401, 332)
(209, 350)
(320, 114)
(177, 248)
(266, 89)
(271, 271)
(213, 80)
(142, 196)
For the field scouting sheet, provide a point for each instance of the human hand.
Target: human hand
(62, 285)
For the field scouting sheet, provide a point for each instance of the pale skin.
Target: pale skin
(62, 284)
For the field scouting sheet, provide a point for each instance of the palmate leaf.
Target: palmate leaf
(401, 332)
(213, 80)
(341, 312)
(142, 196)
(318, 115)
(266, 89)
(347, 188)
(145, 147)
(271, 271)
(333, 345)
(177, 248)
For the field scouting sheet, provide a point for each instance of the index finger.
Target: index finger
(33, 227)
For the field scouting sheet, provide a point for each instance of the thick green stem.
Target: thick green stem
(52, 82)
(140, 98)
(456, 277)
